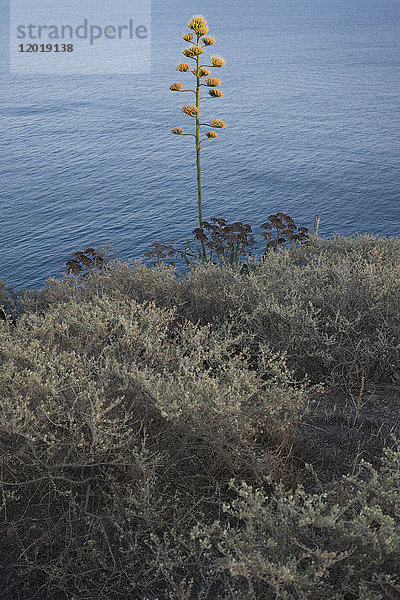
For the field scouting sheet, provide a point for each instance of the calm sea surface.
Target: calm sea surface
(311, 101)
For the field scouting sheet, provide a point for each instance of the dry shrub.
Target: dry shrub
(226, 244)
(331, 305)
(2, 286)
(128, 401)
(10, 303)
(131, 279)
(342, 543)
(335, 311)
(280, 231)
(118, 424)
(2, 313)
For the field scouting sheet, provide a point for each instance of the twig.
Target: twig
(50, 478)
(105, 537)
(316, 226)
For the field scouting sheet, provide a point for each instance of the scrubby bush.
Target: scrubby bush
(131, 399)
(226, 244)
(331, 305)
(10, 303)
(2, 313)
(342, 543)
(116, 422)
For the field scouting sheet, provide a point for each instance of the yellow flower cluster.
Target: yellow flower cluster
(218, 123)
(175, 87)
(183, 67)
(215, 93)
(201, 72)
(217, 61)
(213, 82)
(198, 24)
(199, 27)
(193, 51)
(190, 109)
(208, 41)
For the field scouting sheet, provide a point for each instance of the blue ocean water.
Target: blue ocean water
(311, 102)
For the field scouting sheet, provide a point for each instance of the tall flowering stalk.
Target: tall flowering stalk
(198, 25)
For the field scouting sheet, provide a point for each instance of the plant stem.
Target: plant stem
(203, 245)
(316, 225)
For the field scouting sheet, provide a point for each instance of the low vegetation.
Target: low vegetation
(223, 433)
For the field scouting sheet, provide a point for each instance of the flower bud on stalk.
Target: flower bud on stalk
(198, 25)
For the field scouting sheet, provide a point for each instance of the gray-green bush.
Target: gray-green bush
(340, 543)
(331, 305)
(153, 429)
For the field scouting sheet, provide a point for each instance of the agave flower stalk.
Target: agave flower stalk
(199, 40)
